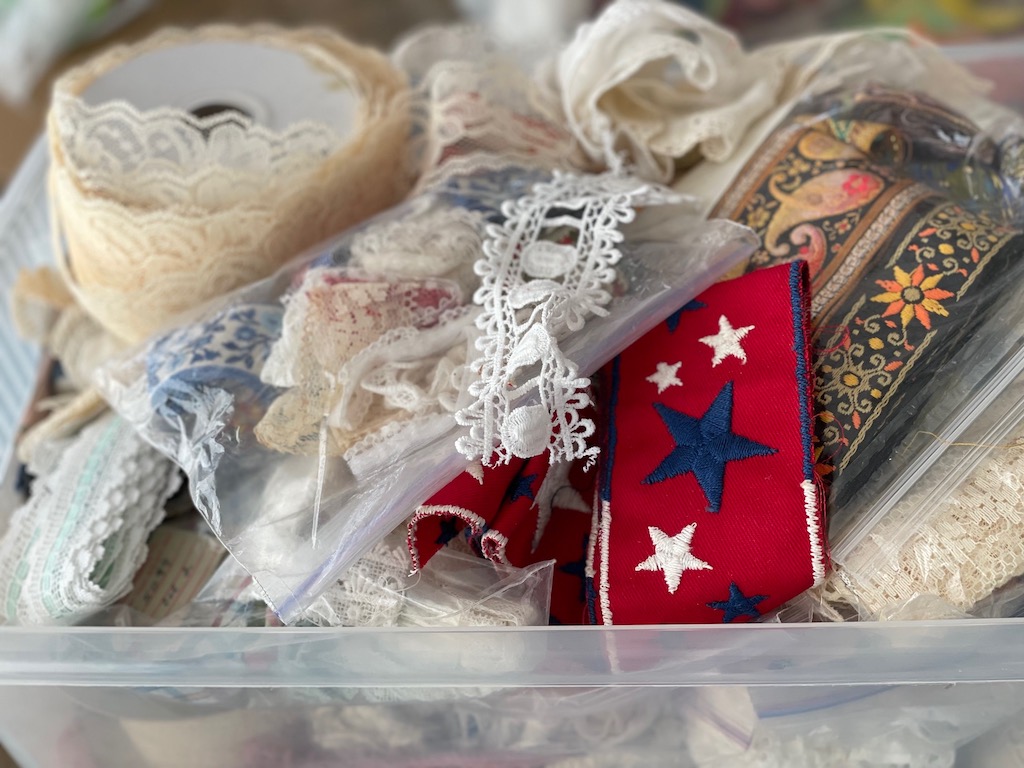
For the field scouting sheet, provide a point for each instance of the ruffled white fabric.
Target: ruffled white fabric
(655, 87)
(649, 82)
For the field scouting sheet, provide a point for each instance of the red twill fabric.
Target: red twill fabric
(708, 507)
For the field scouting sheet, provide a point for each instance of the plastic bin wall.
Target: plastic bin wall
(547, 696)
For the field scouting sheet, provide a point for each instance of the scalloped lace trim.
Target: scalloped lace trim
(158, 211)
(75, 546)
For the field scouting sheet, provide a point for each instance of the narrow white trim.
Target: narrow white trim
(595, 532)
(494, 544)
(602, 513)
(473, 520)
(814, 531)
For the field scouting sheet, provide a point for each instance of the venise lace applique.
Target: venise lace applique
(546, 269)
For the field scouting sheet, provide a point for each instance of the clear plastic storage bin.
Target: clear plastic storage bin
(857, 694)
(888, 694)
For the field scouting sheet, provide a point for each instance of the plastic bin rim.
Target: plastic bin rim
(881, 654)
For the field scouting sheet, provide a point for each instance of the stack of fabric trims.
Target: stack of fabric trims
(685, 481)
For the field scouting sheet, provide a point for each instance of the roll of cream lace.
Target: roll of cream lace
(198, 161)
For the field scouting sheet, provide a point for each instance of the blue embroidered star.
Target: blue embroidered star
(704, 446)
(738, 605)
(522, 487)
(449, 529)
(673, 320)
(578, 568)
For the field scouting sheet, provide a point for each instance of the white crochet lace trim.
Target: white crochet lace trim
(378, 591)
(534, 292)
(370, 594)
(75, 546)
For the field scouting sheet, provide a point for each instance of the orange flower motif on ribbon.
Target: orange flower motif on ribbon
(912, 295)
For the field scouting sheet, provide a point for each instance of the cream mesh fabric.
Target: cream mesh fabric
(159, 210)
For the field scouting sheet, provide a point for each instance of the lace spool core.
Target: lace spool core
(274, 87)
(210, 109)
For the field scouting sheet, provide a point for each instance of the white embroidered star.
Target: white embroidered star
(727, 341)
(672, 555)
(665, 377)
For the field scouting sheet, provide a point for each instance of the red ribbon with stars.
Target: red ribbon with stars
(708, 506)
(705, 507)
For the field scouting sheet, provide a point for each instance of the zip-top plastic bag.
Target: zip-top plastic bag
(313, 411)
(298, 480)
(881, 163)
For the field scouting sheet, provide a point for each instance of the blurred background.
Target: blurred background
(40, 38)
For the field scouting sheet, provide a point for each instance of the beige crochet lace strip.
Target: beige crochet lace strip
(961, 549)
(159, 210)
